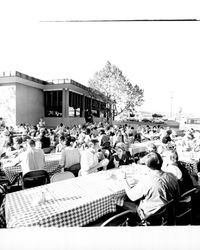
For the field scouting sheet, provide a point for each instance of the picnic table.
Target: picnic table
(51, 166)
(74, 202)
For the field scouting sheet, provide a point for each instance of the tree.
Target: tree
(111, 82)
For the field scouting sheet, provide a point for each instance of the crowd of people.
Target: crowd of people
(88, 148)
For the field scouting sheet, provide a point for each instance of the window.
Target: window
(75, 104)
(53, 103)
(102, 109)
(95, 108)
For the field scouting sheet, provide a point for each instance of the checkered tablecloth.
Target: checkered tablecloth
(73, 202)
(52, 166)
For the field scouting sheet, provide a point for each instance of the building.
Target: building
(190, 123)
(25, 99)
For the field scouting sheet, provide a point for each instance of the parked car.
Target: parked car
(133, 119)
(146, 120)
(158, 120)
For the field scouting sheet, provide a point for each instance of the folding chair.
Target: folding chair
(47, 150)
(184, 208)
(165, 216)
(62, 176)
(35, 178)
(120, 220)
(74, 169)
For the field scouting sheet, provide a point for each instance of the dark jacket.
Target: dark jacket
(123, 161)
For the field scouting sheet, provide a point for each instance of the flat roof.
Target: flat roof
(23, 76)
(93, 92)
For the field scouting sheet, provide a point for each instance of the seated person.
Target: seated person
(167, 137)
(15, 148)
(31, 159)
(170, 164)
(89, 159)
(103, 138)
(61, 145)
(45, 141)
(188, 142)
(41, 123)
(69, 157)
(130, 139)
(152, 191)
(119, 158)
(137, 138)
(87, 137)
(187, 181)
(151, 147)
(7, 150)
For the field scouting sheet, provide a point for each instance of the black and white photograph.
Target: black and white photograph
(99, 124)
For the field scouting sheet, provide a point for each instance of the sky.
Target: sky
(161, 57)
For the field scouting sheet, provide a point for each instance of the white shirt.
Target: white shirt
(69, 157)
(153, 191)
(88, 160)
(32, 159)
(87, 139)
(172, 168)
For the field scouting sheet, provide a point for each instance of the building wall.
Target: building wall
(23, 101)
(53, 122)
(8, 104)
(29, 104)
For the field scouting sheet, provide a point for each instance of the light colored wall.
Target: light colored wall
(29, 104)
(8, 103)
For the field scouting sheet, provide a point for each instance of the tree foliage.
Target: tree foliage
(114, 85)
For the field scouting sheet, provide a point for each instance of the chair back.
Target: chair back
(47, 150)
(187, 195)
(120, 220)
(164, 216)
(62, 176)
(75, 169)
(184, 208)
(35, 178)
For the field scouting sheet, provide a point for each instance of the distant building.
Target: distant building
(25, 99)
(190, 122)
